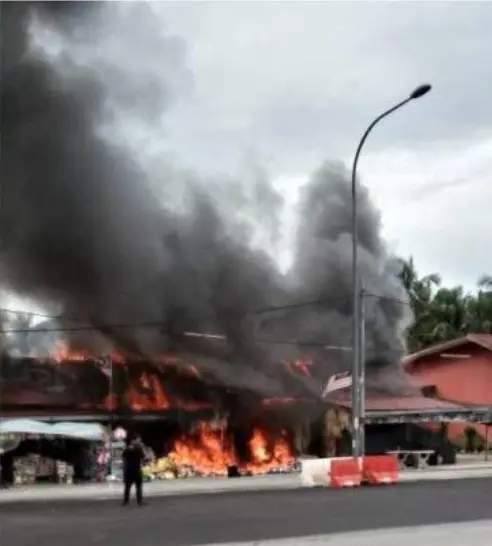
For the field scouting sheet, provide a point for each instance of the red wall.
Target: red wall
(465, 381)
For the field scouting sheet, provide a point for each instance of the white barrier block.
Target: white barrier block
(315, 472)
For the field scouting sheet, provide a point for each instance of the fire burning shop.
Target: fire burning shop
(191, 424)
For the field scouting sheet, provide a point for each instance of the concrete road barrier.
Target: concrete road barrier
(380, 469)
(346, 473)
(317, 472)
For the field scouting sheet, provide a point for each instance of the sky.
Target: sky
(289, 85)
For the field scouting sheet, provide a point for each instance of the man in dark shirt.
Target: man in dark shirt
(133, 456)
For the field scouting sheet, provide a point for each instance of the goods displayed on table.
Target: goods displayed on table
(33, 468)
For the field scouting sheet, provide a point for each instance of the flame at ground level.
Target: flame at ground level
(211, 451)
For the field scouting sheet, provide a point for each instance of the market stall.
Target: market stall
(33, 451)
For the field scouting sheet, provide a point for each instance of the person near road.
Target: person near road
(133, 456)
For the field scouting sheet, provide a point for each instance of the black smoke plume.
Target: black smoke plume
(88, 232)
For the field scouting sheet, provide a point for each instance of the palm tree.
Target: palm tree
(444, 313)
(479, 307)
(420, 293)
(449, 312)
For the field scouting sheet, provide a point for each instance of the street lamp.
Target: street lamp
(357, 382)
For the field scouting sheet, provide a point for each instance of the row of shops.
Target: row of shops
(78, 452)
(33, 451)
(194, 428)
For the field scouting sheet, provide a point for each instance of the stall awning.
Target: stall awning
(82, 431)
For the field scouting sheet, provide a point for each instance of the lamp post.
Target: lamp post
(357, 393)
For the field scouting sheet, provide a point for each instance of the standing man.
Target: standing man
(133, 456)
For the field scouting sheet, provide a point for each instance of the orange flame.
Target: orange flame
(63, 353)
(150, 396)
(147, 391)
(301, 367)
(269, 453)
(209, 452)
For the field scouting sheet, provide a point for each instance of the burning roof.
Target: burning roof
(77, 382)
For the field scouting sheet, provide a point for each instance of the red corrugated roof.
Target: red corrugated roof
(413, 403)
(377, 402)
(483, 340)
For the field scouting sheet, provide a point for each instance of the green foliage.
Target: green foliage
(441, 313)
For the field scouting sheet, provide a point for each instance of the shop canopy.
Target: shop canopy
(81, 431)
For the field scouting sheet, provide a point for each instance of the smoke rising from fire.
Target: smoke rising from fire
(86, 230)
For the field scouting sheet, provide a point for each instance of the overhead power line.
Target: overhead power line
(159, 323)
(144, 324)
(321, 344)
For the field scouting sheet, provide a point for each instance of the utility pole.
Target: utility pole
(362, 374)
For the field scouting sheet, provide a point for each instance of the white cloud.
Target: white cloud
(436, 206)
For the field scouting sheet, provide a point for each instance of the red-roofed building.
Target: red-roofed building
(406, 421)
(459, 370)
(452, 391)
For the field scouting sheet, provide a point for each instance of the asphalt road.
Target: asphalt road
(233, 517)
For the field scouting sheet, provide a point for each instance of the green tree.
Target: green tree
(442, 313)
(448, 311)
(479, 308)
(420, 293)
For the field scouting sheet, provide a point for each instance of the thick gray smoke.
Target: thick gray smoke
(323, 262)
(86, 230)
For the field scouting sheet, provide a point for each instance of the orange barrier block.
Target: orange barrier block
(345, 473)
(380, 469)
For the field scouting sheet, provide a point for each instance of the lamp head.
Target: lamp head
(420, 91)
